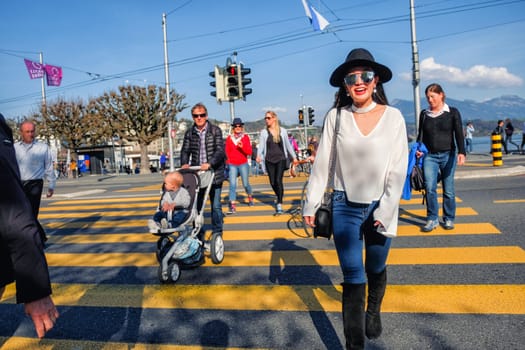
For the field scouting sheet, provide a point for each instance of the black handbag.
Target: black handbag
(323, 218)
(417, 180)
(323, 215)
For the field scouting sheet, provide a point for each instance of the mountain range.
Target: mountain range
(507, 106)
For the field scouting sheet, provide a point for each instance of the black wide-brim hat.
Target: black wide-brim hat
(237, 121)
(359, 58)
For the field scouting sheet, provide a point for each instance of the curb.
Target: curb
(478, 174)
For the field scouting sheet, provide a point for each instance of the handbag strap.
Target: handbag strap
(333, 152)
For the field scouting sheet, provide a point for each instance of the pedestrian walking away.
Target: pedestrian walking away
(162, 161)
(238, 149)
(274, 149)
(22, 258)
(522, 137)
(441, 131)
(371, 159)
(509, 131)
(203, 146)
(35, 162)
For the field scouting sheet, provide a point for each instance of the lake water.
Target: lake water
(482, 144)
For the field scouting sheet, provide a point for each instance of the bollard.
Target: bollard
(497, 155)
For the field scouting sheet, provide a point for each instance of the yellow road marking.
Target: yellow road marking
(233, 219)
(241, 235)
(148, 202)
(63, 344)
(397, 256)
(464, 211)
(107, 200)
(507, 201)
(441, 299)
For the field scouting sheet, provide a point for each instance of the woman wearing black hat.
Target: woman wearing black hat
(238, 148)
(370, 169)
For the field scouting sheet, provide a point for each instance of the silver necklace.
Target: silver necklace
(363, 109)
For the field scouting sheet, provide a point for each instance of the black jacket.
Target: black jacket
(189, 153)
(22, 256)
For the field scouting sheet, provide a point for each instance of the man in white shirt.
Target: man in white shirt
(35, 163)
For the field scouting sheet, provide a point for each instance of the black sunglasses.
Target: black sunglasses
(237, 126)
(202, 115)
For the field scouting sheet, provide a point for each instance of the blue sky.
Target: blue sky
(474, 48)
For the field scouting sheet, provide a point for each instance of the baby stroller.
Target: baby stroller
(181, 247)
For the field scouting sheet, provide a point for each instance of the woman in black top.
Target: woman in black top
(441, 130)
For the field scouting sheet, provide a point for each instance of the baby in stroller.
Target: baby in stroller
(180, 246)
(174, 204)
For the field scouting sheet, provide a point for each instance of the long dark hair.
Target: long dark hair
(342, 99)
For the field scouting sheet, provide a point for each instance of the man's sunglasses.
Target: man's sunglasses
(366, 77)
(202, 115)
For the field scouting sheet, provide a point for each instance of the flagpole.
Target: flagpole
(44, 107)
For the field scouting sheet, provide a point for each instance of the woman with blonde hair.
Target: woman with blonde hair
(274, 150)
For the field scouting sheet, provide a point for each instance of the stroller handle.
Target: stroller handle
(194, 168)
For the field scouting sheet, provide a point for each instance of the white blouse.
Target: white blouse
(368, 167)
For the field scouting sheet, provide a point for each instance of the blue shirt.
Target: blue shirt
(35, 162)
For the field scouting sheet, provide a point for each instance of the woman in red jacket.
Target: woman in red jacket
(238, 148)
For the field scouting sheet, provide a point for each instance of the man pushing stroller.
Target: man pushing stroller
(174, 204)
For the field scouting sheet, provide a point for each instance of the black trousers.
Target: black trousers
(33, 191)
(275, 173)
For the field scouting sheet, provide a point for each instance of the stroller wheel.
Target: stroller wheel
(171, 275)
(216, 248)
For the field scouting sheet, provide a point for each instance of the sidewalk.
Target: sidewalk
(478, 165)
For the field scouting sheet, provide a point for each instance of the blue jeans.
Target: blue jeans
(243, 170)
(468, 145)
(177, 217)
(443, 163)
(353, 225)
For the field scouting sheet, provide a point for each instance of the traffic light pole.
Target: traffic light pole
(232, 111)
(306, 121)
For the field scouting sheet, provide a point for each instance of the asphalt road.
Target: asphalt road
(277, 288)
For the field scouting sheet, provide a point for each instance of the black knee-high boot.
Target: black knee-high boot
(376, 291)
(354, 315)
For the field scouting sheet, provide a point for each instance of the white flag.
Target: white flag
(318, 21)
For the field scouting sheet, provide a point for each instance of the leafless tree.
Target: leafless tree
(138, 114)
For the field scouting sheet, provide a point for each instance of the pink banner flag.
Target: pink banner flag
(53, 74)
(35, 69)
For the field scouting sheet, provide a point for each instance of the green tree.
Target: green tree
(138, 114)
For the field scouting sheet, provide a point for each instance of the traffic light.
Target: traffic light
(233, 84)
(311, 116)
(243, 81)
(218, 84)
(301, 117)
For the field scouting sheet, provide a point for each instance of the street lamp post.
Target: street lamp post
(168, 99)
(415, 67)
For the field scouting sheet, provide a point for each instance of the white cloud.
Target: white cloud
(275, 109)
(478, 76)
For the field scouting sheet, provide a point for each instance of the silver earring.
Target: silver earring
(375, 91)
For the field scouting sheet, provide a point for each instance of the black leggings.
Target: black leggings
(275, 173)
